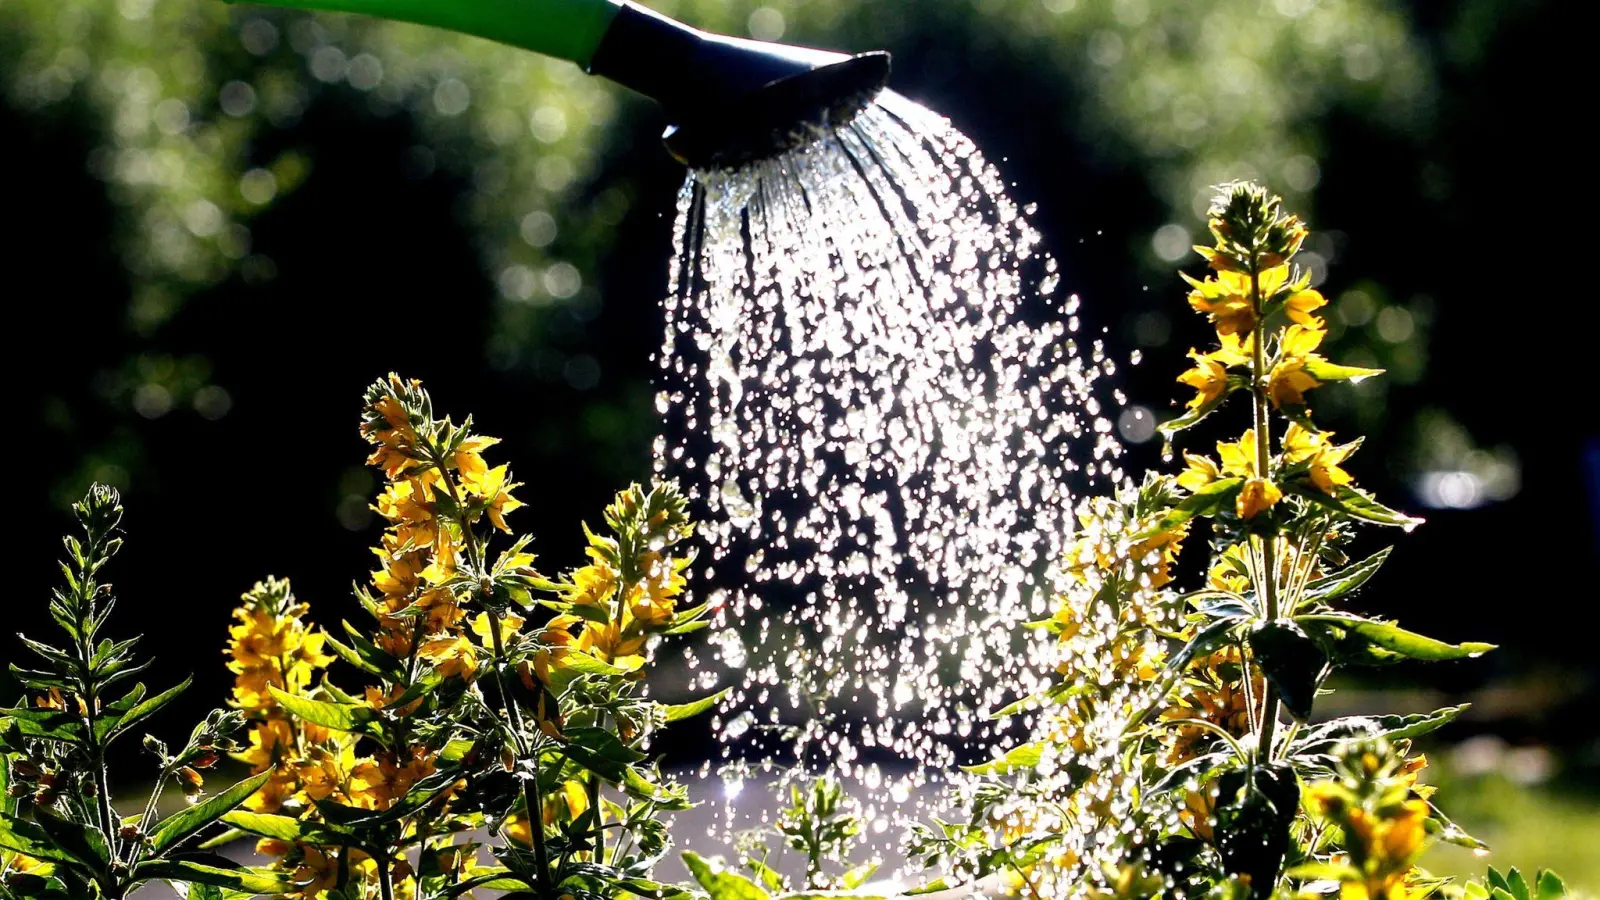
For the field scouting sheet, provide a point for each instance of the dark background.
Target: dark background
(218, 386)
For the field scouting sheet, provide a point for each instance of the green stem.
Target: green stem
(1269, 550)
(530, 786)
(385, 885)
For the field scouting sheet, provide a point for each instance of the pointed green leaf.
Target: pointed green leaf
(1346, 580)
(1322, 370)
(1025, 756)
(249, 880)
(679, 711)
(85, 843)
(1550, 885)
(721, 883)
(1353, 502)
(1292, 662)
(143, 710)
(186, 822)
(47, 724)
(1208, 501)
(355, 718)
(22, 836)
(1397, 640)
(286, 829)
(1328, 734)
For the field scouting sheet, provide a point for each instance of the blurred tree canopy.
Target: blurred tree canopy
(233, 217)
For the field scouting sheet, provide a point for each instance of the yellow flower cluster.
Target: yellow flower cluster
(1382, 815)
(428, 466)
(269, 646)
(1268, 336)
(630, 586)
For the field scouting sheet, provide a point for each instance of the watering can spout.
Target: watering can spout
(733, 100)
(730, 100)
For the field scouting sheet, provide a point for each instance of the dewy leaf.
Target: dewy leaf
(1256, 805)
(1208, 501)
(1347, 579)
(1354, 503)
(679, 711)
(1026, 756)
(350, 717)
(1397, 640)
(1328, 734)
(1549, 885)
(720, 883)
(1292, 662)
(186, 822)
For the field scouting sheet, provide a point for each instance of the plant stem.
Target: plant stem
(385, 886)
(1269, 550)
(530, 786)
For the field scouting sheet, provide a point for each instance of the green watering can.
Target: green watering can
(731, 100)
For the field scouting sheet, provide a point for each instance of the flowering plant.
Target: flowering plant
(497, 742)
(1176, 752)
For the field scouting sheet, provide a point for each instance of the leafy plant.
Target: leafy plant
(60, 836)
(496, 700)
(1175, 752)
(820, 824)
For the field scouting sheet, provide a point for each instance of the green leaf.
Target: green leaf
(47, 724)
(1396, 728)
(1216, 633)
(1322, 370)
(1292, 662)
(1346, 580)
(600, 751)
(85, 843)
(1396, 640)
(720, 883)
(251, 881)
(496, 879)
(1208, 501)
(355, 718)
(186, 822)
(679, 711)
(22, 836)
(1354, 503)
(143, 710)
(289, 830)
(1441, 826)
(1256, 806)
(1549, 885)
(1025, 756)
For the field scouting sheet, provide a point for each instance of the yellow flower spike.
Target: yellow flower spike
(1202, 471)
(1257, 495)
(468, 460)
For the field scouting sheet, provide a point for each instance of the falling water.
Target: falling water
(875, 392)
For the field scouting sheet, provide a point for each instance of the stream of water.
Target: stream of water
(876, 392)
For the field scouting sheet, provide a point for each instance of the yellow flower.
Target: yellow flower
(1168, 544)
(1231, 572)
(1225, 300)
(653, 602)
(1300, 304)
(1202, 471)
(1199, 812)
(468, 460)
(509, 624)
(1301, 445)
(1289, 380)
(316, 873)
(495, 492)
(1209, 378)
(558, 636)
(452, 656)
(1258, 494)
(593, 584)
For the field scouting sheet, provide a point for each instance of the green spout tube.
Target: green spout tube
(565, 29)
(731, 100)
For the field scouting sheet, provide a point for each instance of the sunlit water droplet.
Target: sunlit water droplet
(890, 423)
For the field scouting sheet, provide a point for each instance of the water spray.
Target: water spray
(730, 100)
